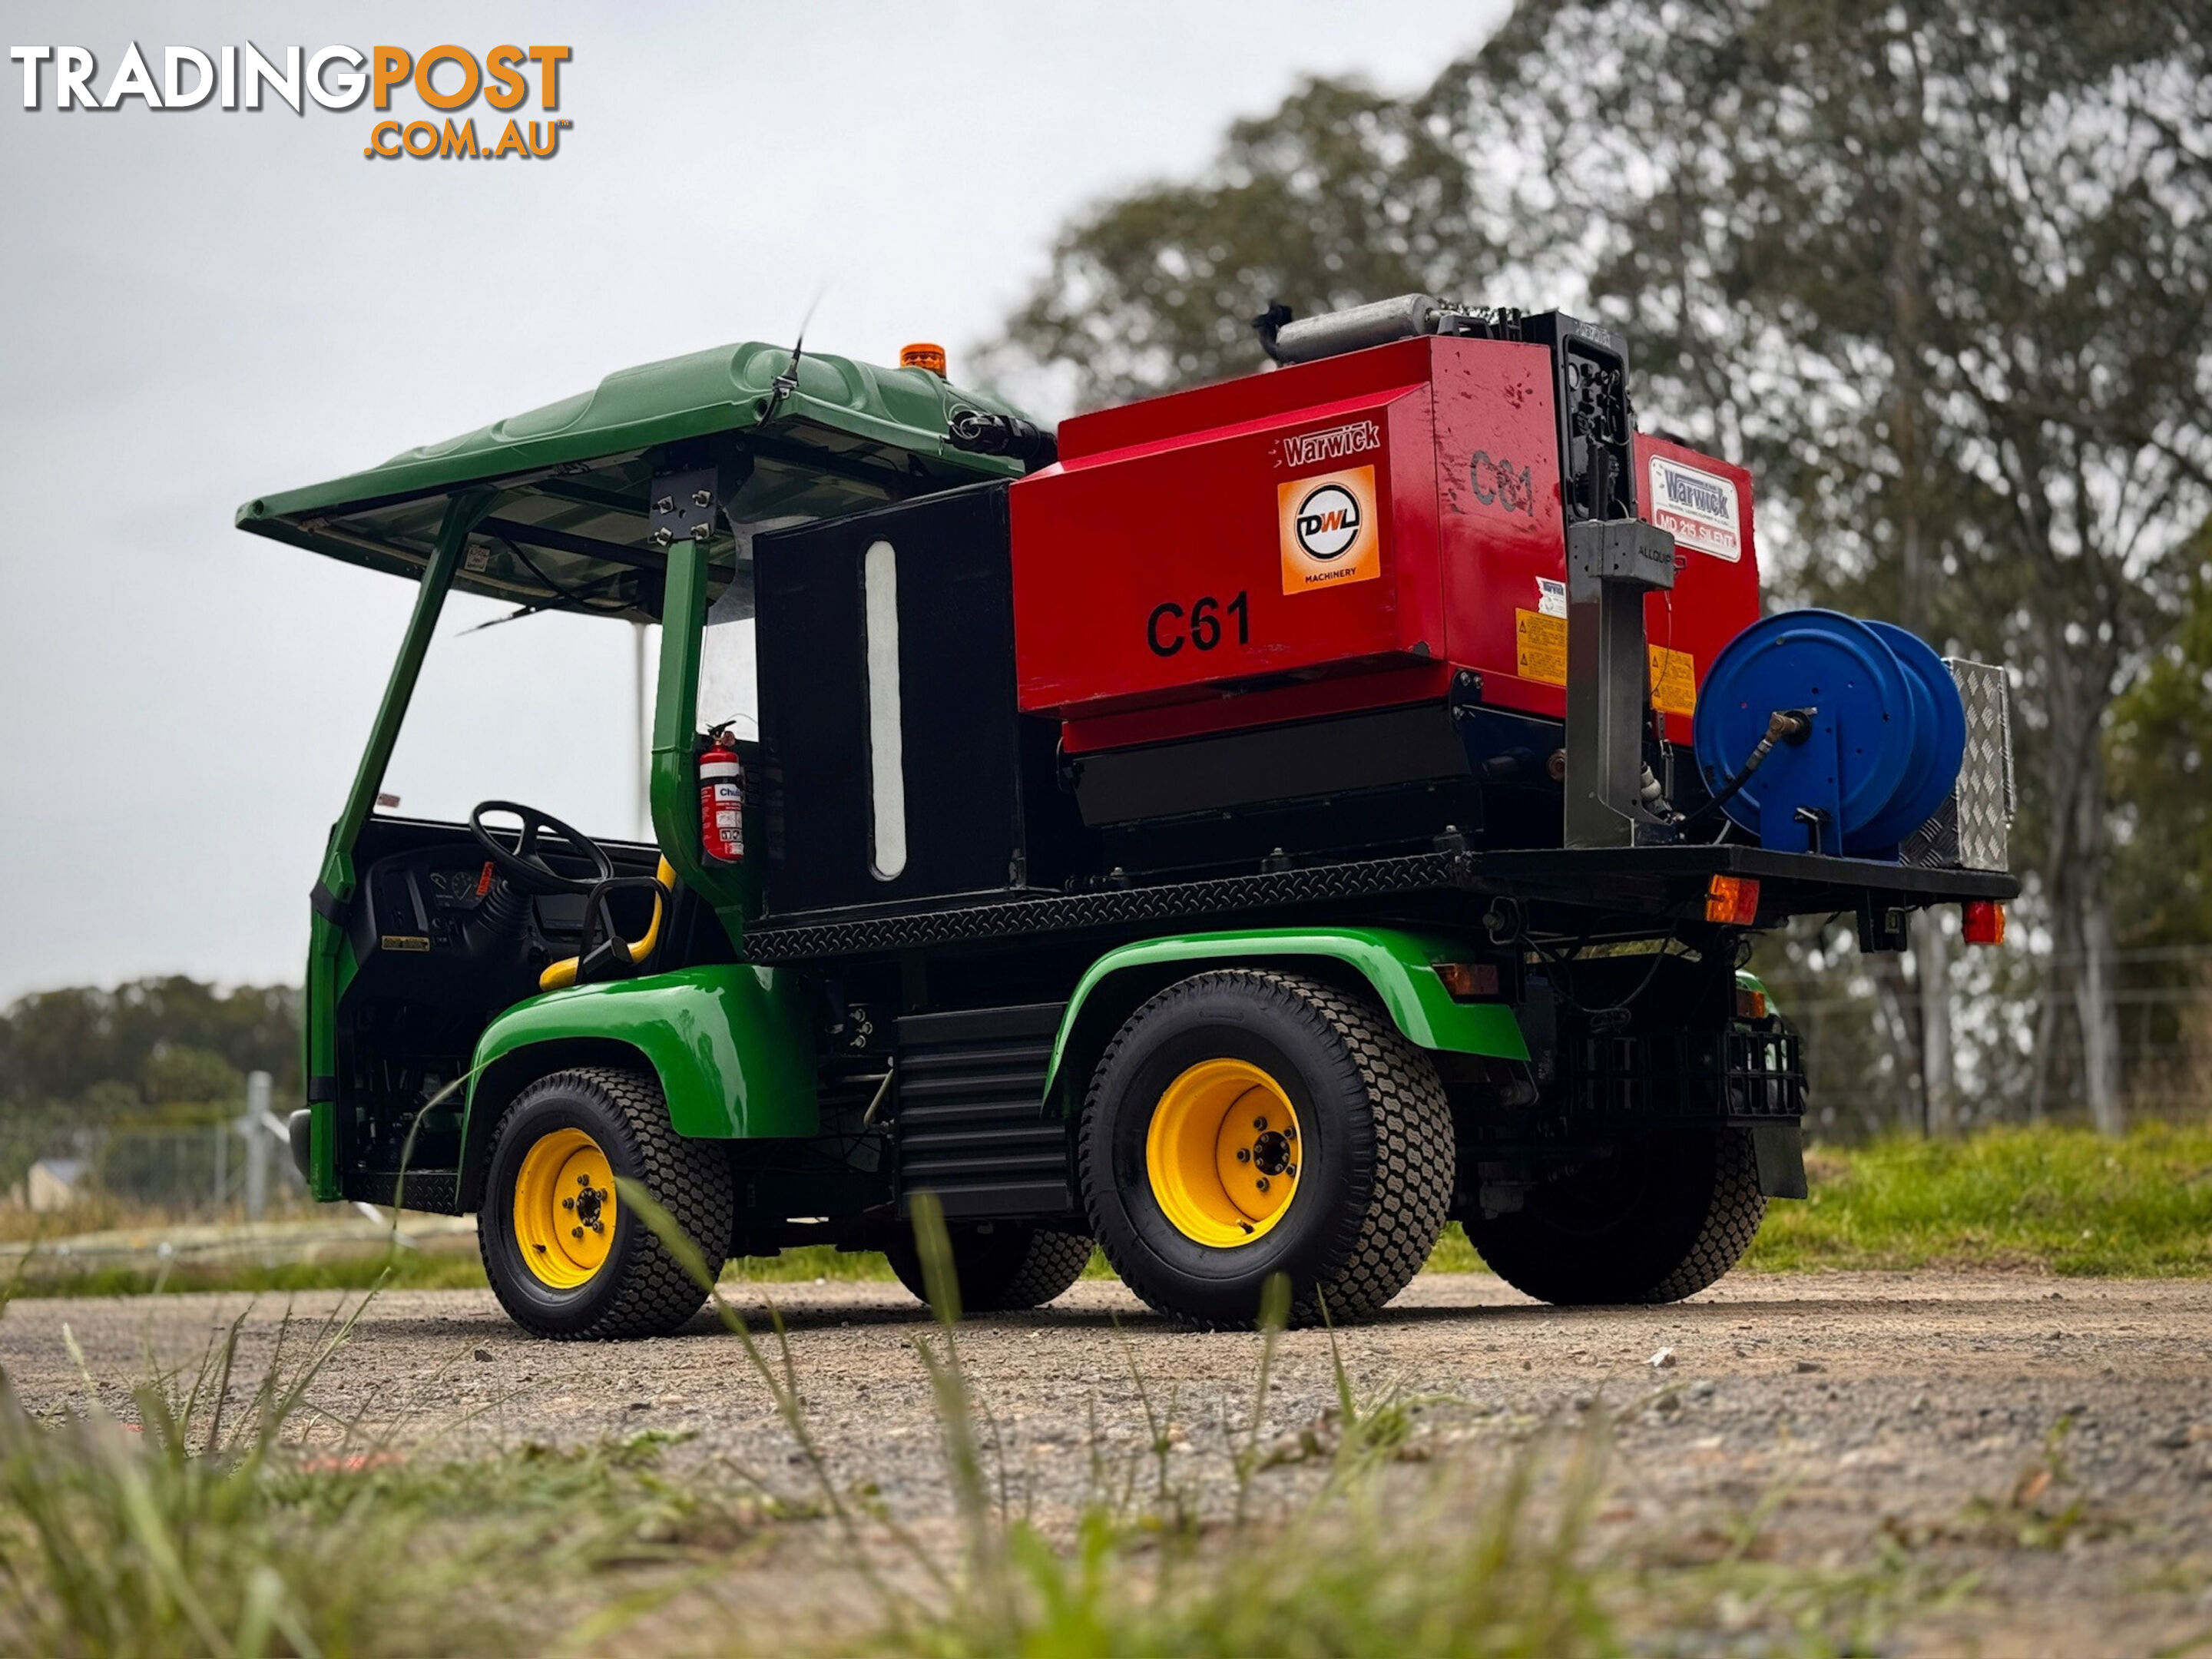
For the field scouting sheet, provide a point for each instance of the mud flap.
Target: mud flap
(299, 1134)
(1780, 1149)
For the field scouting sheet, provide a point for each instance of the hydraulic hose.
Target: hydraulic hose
(1784, 725)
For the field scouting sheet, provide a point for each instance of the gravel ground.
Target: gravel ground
(1865, 1418)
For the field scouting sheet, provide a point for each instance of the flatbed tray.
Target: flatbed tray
(1577, 891)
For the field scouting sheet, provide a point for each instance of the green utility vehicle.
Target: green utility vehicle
(1065, 855)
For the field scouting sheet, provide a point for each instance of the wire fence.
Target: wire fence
(2015, 1026)
(207, 1172)
(53, 1165)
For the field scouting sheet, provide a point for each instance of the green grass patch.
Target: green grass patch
(1453, 1253)
(2043, 1200)
(409, 1270)
(805, 1263)
(2046, 1199)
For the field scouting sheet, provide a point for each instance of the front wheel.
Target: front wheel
(566, 1256)
(1248, 1122)
(1655, 1220)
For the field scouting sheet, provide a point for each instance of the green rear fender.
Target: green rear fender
(1397, 966)
(729, 1043)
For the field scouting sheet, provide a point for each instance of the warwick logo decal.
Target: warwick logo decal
(1336, 443)
(1327, 528)
(1700, 510)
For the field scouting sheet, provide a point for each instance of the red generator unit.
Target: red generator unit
(1325, 608)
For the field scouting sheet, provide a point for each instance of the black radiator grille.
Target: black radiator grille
(971, 1121)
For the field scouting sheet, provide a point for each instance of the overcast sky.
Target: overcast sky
(200, 306)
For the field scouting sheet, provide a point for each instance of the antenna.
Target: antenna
(788, 382)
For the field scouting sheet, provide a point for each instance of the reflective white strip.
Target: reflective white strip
(886, 756)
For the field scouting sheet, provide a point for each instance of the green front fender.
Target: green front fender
(1395, 964)
(728, 1042)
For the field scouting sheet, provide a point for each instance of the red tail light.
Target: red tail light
(1985, 921)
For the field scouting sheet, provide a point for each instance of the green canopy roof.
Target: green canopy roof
(568, 531)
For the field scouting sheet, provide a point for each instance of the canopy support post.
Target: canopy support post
(326, 930)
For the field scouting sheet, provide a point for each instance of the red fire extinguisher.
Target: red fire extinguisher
(722, 802)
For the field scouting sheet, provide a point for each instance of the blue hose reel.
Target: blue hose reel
(1882, 748)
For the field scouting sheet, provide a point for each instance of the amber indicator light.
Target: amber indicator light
(1468, 980)
(1733, 900)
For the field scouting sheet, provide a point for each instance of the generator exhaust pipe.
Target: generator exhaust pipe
(1335, 332)
(1409, 316)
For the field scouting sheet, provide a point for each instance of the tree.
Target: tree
(1340, 195)
(161, 1036)
(2159, 755)
(179, 1074)
(1938, 271)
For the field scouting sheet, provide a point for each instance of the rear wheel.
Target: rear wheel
(566, 1256)
(1001, 1266)
(1656, 1220)
(1248, 1122)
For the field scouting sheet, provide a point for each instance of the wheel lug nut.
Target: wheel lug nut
(1260, 1124)
(567, 1203)
(1243, 1154)
(1263, 1183)
(575, 1233)
(1290, 1133)
(1291, 1169)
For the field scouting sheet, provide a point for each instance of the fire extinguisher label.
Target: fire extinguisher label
(1327, 530)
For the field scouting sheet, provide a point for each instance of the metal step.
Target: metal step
(971, 1123)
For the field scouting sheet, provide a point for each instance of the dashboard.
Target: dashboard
(422, 902)
(427, 891)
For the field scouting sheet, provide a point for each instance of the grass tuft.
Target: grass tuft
(1480, 1567)
(222, 1514)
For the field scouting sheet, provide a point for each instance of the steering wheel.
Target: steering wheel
(521, 863)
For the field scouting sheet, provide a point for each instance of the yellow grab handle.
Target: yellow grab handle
(560, 976)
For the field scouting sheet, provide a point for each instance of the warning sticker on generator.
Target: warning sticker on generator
(1327, 530)
(1539, 653)
(1674, 681)
(1540, 646)
(1697, 509)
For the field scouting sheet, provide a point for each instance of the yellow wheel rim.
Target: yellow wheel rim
(1224, 1153)
(564, 1208)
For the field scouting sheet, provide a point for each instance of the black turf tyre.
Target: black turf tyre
(1658, 1220)
(1001, 1267)
(641, 1290)
(1377, 1150)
